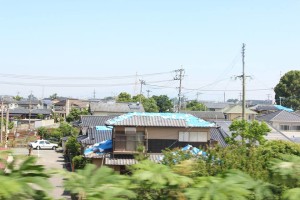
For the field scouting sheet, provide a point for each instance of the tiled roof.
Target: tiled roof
(129, 159)
(219, 135)
(95, 136)
(159, 120)
(238, 109)
(33, 111)
(116, 107)
(212, 105)
(282, 116)
(206, 114)
(94, 120)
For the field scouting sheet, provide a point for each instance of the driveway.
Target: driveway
(51, 160)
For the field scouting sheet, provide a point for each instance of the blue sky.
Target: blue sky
(116, 38)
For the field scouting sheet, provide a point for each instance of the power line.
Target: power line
(78, 77)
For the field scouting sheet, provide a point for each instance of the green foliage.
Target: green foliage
(150, 105)
(17, 98)
(40, 116)
(72, 146)
(250, 132)
(231, 185)
(67, 130)
(53, 96)
(124, 97)
(10, 124)
(43, 132)
(75, 113)
(195, 106)
(80, 161)
(155, 181)
(22, 179)
(102, 183)
(164, 103)
(289, 88)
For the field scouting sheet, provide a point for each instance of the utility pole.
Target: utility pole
(268, 96)
(94, 94)
(197, 95)
(148, 91)
(224, 97)
(243, 77)
(29, 120)
(2, 108)
(6, 127)
(244, 83)
(179, 76)
(141, 89)
(280, 100)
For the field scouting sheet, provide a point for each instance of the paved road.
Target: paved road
(50, 159)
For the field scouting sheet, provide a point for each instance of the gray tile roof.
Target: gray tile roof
(94, 120)
(95, 136)
(116, 107)
(159, 120)
(280, 116)
(129, 159)
(206, 115)
(219, 135)
(213, 105)
(33, 111)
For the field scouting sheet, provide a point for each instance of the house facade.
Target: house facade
(235, 112)
(114, 108)
(158, 131)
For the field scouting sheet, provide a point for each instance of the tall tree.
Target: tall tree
(250, 132)
(287, 91)
(164, 103)
(149, 104)
(53, 96)
(124, 97)
(195, 106)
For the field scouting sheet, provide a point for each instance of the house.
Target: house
(157, 131)
(91, 121)
(266, 109)
(274, 134)
(286, 122)
(207, 115)
(113, 108)
(29, 104)
(63, 107)
(251, 103)
(217, 106)
(22, 113)
(235, 112)
(95, 135)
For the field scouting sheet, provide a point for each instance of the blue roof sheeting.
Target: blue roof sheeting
(159, 119)
(280, 107)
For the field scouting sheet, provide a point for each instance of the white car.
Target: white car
(43, 144)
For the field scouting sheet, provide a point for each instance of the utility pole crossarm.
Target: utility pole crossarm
(179, 76)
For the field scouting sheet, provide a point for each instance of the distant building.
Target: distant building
(113, 108)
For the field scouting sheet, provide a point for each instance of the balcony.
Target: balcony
(128, 144)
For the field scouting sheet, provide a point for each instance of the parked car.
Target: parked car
(43, 144)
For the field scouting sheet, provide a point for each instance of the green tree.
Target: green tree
(250, 132)
(124, 97)
(195, 106)
(53, 96)
(231, 185)
(75, 113)
(164, 103)
(40, 116)
(72, 146)
(10, 124)
(149, 104)
(102, 183)
(67, 130)
(22, 178)
(165, 185)
(43, 132)
(17, 98)
(289, 88)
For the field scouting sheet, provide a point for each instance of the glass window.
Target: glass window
(47, 142)
(41, 142)
(284, 127)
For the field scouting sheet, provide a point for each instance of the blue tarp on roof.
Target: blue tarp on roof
(103, 128)
(99, 148)
(191, 120)
(279, 107)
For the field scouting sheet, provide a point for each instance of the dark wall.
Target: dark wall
(156, 146)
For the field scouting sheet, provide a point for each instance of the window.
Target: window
(193, 137)
(41, 142)
(284, 127)
(47, 142)
(295, 128)
(130, 130)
